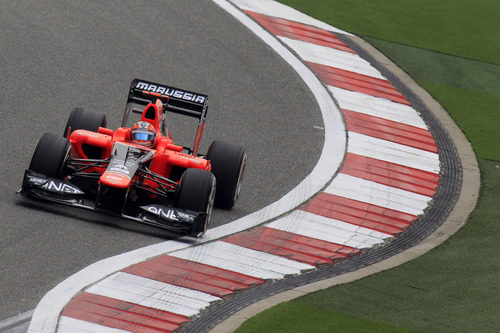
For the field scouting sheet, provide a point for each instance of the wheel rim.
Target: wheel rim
(210, 206)
(65, 160)
(240, 178)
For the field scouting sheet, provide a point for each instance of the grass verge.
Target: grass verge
(289, 318)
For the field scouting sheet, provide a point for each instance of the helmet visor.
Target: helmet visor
(143, 136)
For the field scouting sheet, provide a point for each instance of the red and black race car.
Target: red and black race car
(137, 171)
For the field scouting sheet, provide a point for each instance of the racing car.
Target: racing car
(137, 172)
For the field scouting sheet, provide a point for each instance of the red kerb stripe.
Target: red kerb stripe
(294, 30)
(292, 246)
(353, 81)
(390, 174)
(359, 213)
(389, 130)
(122, 315)
(193, 275)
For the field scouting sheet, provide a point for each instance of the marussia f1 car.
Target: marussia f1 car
(137, 171)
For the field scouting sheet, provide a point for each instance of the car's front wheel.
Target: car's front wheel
(196, 192)
(50, 155)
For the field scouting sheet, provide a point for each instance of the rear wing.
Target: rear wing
(180, 101)
(175, 100)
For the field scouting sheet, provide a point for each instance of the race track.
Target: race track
(58, 55)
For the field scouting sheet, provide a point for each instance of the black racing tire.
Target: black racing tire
(228, 165)
(50, 155)
(196, 192)
(85, 119)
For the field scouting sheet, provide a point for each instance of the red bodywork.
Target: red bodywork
(166, 153)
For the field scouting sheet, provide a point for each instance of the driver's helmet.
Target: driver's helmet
(143, 133)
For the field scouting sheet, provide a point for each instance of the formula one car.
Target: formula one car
(137, 171)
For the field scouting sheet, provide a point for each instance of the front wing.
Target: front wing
(41, 187)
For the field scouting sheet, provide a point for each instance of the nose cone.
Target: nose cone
(115, 179)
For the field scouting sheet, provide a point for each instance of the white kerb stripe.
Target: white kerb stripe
(231, 266)
(331, 57)
(330, 230)
(154, 294)
(377, 107)
(340, 225)
(377, 194)
(276, 9)
(242, 260)
(72, 325)
(392, 152)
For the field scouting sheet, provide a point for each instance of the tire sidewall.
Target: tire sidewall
(50, 156)
(196, 192)
(228, 165)
(81, 118)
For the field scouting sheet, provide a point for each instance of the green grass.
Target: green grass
(477, 114)
(452, 49)
(289, 318)
(444, 69)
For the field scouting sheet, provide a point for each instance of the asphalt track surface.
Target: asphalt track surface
(57, 55)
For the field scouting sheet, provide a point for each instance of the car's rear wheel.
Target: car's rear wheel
(196, 192)
(228, 165)
(50, 155)
(84, 119)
